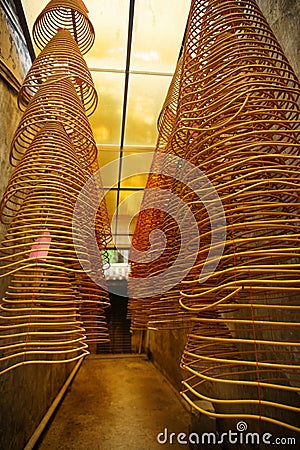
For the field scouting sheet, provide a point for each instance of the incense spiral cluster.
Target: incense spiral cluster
(52, 310)
(237, 119)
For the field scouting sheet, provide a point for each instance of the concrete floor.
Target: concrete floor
(116, 403)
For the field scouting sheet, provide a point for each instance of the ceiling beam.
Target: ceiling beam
(125, 101)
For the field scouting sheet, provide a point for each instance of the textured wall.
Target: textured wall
(27, 392)
(14, 57)
(284, 18)
(165, 349)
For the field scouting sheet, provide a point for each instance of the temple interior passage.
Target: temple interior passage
(149, 224)
(116, 402)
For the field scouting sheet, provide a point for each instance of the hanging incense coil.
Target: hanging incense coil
(44, 189)
(149, 311)
(162, 312)
(49, 161)
(39, 320)
(168, 114)
(55, 100)
(138, 313)
(41, 232)
(166, 312)
(138, 308)
(221, 352)
(94, 323)
(93, 300)
(102, 222)
(148, 219)
(239, 121)
(38, 246)
(70, 15)
(62, 58)
(205, 339)
(88, 291)
(51, 308)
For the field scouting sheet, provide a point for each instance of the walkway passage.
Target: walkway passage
(117, 403)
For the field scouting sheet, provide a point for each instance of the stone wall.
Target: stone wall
(165, 348)
(283, 17)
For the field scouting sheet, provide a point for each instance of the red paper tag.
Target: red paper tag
(41, 249)
(78, 81)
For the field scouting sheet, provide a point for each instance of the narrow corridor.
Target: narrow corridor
(116, 403)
